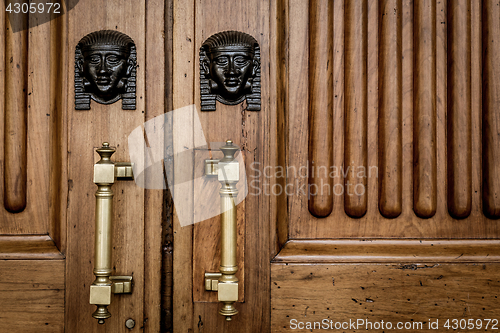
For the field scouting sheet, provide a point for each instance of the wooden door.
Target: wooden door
(48, 152)
(405, 91)
(375, 161)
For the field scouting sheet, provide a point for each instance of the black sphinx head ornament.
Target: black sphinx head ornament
(230, 70)
(105, 69)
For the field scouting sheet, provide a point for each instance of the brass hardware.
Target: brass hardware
(105, 172)
(130, 324)
(211, 281)
(211, 167)
(100, 294)
(121, 284)
(226, 282)
(123, 171)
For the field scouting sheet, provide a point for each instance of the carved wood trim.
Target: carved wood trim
(389, 251)
(491, 117)
(16, 116)
(320, 107)
(424, 110)
(29, 247)
(459, 125)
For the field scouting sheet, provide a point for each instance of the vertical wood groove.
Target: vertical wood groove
(491, 115)
(158, 33)
(15, 126)
(321, 108)
(282, 100)
(419, 120)
(424, 109)
(167, 239)
(58, 134)
(356, 104)
(459, 109)
(390, 109)
(183, 29)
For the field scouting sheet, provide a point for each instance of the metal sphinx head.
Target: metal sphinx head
(105, 69)
(230, 70)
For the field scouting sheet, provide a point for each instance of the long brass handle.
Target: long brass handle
(105, 173)
(226, 282)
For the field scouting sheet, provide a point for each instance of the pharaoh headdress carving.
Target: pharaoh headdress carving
(236, 77)
(105, 69)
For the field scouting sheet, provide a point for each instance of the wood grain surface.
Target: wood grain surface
(182, 95)
(298, 87)
(58, 144)
(393, 292)
(157, 56)
(32, 294)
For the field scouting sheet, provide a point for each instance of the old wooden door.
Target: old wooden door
(404, 93)
(373, 167)
(48, 151)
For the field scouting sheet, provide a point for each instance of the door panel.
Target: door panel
(391, 88)
(412, 296)
(33, 292)
(87, 130)
(47, 155)
(422, 172)
(197, 247)
(137, 213)
(406, 90)
(31, 165)
(33, 186)
(411, 97)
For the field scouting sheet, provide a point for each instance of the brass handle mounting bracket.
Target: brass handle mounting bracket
(106, 172)
(225, 282)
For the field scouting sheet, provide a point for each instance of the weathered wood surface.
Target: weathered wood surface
(32, 295)
(392, 292)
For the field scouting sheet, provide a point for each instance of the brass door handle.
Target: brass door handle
(226, 282)
(105, 173)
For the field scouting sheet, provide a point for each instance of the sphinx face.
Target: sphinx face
(231, 70)
(104, 70)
